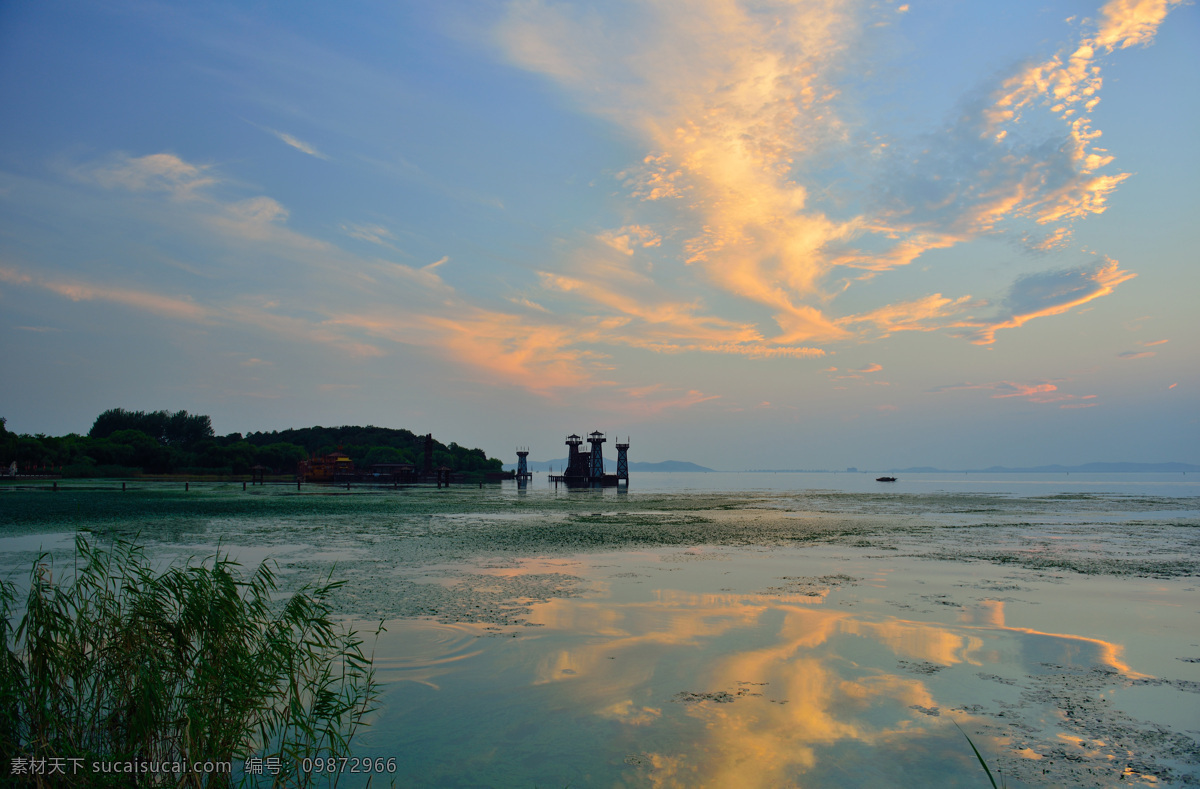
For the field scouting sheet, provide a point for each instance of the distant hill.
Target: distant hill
(667, 465)
(610, 465)
(1104, 468)
(1086, 468)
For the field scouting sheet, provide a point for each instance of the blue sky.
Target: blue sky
(777, 234)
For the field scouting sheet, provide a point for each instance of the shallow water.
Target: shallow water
(816, 666)
(731, 630)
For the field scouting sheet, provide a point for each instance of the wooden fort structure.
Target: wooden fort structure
(337, 467)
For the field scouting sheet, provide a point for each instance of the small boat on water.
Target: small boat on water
(885, 479)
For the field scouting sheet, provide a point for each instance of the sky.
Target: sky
(811, 234)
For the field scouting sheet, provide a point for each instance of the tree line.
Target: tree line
(127, 443)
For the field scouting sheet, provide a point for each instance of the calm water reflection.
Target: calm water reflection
(790, 675)
(815, 630)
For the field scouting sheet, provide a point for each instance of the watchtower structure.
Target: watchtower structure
(585, 469)
(623, 460)
(596, 438)
(576, 460)
(523, 472)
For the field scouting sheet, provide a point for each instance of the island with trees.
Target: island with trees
(125, 443)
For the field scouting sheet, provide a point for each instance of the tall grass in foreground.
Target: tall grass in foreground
(116, 663)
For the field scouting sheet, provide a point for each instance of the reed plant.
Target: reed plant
(982, 762)
(115, 663)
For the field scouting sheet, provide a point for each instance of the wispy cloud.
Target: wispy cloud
(926, 314)
(985, 171)
(1036, 392)
(726, 97)
(373, 233)
(735, 107)
(629, 238)
(657, 399)
(188, 310)
(858, 374)
(625, 306)
(360, 306)
(1041, 392)
(501, 348)
(158, 172)
(299, 145)
(1048, 293)
(76, 290)
(1136, 354)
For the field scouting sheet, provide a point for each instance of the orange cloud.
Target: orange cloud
(1050, 293)
(1049, 241)
(725, 98)
(1021, 390)
(14, 277)
(76, 290)
(627, 238)
(655, 399)
(789, 693)
(185, 309)
(540, 356)
(642, 314)
(1069, 85)
(1127, 23)
(927, 314)
(730, 103)
(1044, 392)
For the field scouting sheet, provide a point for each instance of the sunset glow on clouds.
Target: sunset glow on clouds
(660, 211)
(727, 134)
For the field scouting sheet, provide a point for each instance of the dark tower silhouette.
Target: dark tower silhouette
(577, 462)
(596, 472)
(623, 460)
(523, 473)
(586, 469)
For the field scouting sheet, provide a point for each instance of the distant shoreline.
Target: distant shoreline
(677, 466)
(1087, 468)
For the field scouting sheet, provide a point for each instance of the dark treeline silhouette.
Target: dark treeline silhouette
(127, 443)
(179, 429)
(369, 445)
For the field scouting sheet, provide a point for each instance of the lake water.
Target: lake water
(731, 630)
